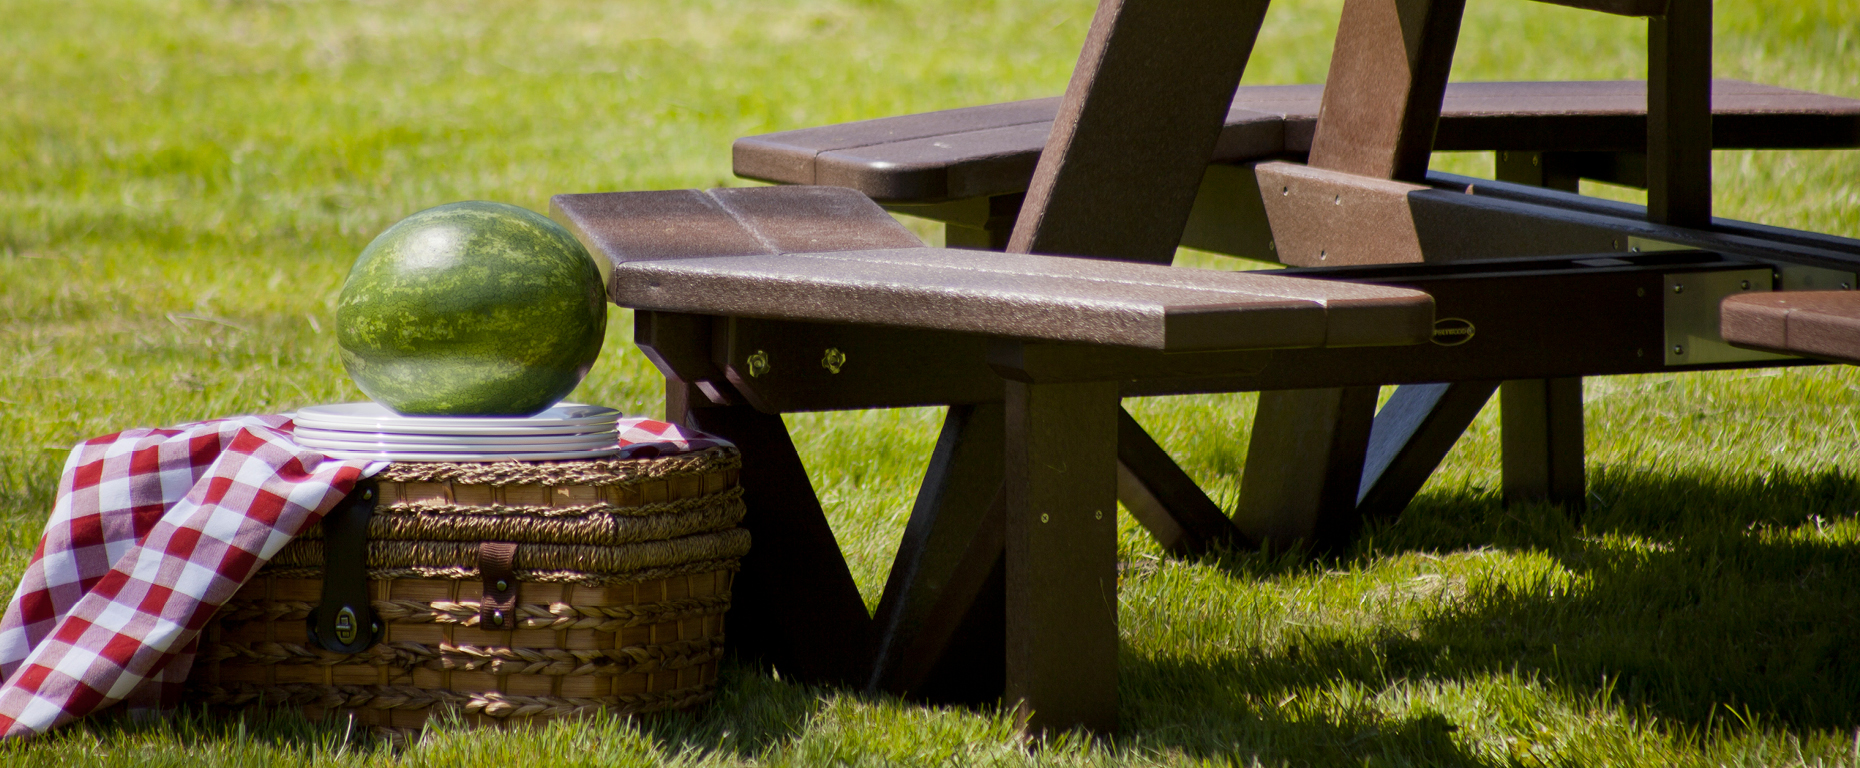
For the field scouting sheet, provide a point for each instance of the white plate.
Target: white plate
(467, 444)
(607, 434)
(374, 417)
(396, 456)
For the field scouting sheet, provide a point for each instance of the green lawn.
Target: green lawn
(184, 183)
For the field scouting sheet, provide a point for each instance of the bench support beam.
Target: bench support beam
(924, 605)
(1136, 128)
(1165, 499)
(825, 638)
(1304, 465)
(1412, 434)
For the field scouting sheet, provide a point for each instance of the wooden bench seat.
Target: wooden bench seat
(784, 253)
(1823, 324)
(991, 150)
(1021, 498)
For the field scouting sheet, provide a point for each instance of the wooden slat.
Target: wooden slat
(1061, 532)
(1270, 120)
(1824, 324)
(1029, 297)
(789, 156)
(1136, 127)
(814, 219)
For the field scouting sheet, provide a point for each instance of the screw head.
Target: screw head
(368, 494)
(1679, 349)
(1745, 285)
(1043, 517)
(1098, 514)
(1679, 288)
(500, 585)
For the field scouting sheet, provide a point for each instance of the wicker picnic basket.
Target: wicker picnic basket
(622, 572)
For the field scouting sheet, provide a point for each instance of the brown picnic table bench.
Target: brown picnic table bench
(755, 303)
(1036, 330)
(969, 168)
(930, 164)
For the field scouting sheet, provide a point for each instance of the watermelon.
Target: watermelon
(472, 308)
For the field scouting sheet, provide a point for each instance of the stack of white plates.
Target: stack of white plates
(371, 431)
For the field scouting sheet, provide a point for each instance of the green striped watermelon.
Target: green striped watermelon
(471, 308)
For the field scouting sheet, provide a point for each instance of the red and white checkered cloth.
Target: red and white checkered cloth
(152, 531)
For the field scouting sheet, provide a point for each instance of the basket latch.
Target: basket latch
(344, 621)
(497, 561)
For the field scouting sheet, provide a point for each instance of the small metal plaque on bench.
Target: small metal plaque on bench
(1692, 315)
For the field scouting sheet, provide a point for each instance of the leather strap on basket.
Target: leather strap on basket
(344, 620)
(497, 562)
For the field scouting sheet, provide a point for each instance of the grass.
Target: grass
(183, 184)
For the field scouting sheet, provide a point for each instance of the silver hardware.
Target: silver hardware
(1691, 315)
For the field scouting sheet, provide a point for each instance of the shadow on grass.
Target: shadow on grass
(1204, 711)
(1705, 601)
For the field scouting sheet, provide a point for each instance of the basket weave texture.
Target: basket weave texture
(623, 577)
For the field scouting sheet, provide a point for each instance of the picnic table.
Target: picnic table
(969, 168)
(763, 301)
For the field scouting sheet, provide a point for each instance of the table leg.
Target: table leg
(1061, 531)
(795, 604)
(1541, 422)
(1304, 465)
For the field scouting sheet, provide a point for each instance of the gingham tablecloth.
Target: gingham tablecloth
(152, 531)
